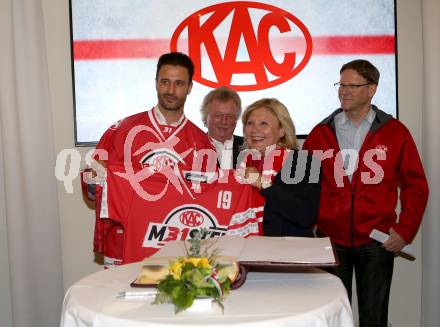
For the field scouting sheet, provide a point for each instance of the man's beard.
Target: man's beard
(175, 106)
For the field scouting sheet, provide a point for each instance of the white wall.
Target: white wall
(405, 302)
(77, 220)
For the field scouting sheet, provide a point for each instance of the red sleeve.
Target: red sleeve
(117, 195)
(309, 142)
(101, 151)
(413, 191)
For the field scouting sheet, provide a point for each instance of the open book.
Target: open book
(253, 253)
(260, 250)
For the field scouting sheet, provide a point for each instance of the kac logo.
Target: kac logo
(191, 218)
(161, 158)
(273, 51)
(180, 224)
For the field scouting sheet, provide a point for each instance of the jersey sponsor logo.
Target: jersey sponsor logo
(247, 49)
(180, 224)
(191, 218)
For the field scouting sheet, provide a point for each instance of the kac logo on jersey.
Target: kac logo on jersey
(191, 218)
(156, 156)
(180, 224)
(265, 42)
(161, 158)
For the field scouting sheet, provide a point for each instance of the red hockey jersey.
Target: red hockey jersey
(157, 209)
(269, 166)
(141, 139)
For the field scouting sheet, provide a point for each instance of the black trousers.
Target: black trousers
(373, 267)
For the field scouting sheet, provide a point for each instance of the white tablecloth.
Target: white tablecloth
(311, 298)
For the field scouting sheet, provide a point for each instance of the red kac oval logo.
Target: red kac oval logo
(257, 51)
(191, 218)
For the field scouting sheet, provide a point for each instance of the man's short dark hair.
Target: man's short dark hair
(364, 68)
(176, 59)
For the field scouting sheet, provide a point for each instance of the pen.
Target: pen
(135, 295)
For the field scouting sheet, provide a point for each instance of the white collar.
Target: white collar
(223, 145)
(161, 118)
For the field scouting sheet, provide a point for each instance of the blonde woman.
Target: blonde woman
(274, 165)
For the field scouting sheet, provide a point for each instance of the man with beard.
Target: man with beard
(161, 137)
(164, 124)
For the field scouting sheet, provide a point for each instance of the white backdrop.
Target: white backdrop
(111, 84)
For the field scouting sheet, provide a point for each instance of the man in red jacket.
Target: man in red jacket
(367, 155)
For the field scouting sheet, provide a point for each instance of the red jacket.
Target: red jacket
(388, 160)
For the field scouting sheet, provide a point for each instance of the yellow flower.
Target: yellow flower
(192, 260)
(204, 263)
(176, 269)
(199, 262)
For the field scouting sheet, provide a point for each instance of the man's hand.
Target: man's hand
(98, 170)
(395, 242)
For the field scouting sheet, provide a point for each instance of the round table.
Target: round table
(309, 297)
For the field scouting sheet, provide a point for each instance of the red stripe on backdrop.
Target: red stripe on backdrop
(147, 48)
(345, 45)
(119, 49)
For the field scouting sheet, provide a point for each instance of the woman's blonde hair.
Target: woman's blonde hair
(280, 111)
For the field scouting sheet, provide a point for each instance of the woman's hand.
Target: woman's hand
(253, 177)
(250, 175)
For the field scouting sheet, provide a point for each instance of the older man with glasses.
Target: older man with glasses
(220, 111)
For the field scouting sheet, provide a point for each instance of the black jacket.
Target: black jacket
(291, 206)
(236, 145)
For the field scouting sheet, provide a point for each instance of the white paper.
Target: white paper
(265, 249)
(288, 250)
(382, 237)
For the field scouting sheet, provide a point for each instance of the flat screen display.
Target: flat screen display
(287, 49)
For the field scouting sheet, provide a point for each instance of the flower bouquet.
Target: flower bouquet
(197, 275)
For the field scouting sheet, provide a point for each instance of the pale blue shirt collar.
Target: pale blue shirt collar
(351, 136)
(342, 119)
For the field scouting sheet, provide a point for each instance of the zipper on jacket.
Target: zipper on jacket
(372, 131)
(353, 184)
(352, 219)
(352, 190)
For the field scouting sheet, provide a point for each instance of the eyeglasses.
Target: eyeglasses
(350, 87)
(228, 118)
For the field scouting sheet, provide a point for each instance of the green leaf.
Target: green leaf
(196, 278)
(183, 297)
(162, 298)
(187, 268)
